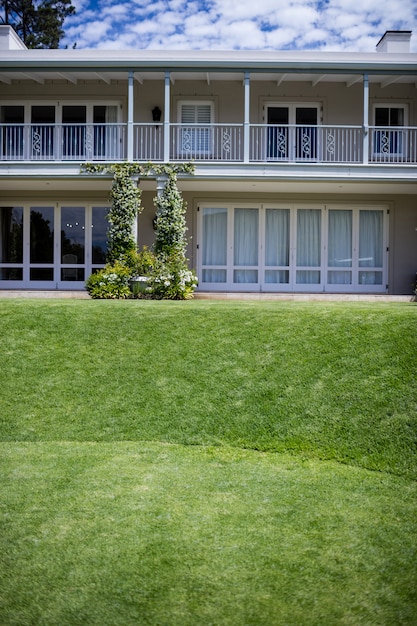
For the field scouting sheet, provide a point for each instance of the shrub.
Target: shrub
(112, 282)
(171, 279)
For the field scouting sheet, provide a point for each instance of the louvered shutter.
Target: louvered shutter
(196, 138)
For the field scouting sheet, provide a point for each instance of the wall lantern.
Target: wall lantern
(156, 114)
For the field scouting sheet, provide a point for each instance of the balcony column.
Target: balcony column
(365, 119)
(167, 116)
(130, 105)
(246, 127)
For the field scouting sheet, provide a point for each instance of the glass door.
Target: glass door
(308, 270)
(214, 245)
(277, 248)
(371, 259)
(320, 248)
(72, 254)
(41, 246)
(246, 246)
(277, 139)
(306, 133)
(292, 132)
(340, 248)
(12, 118)
(74, 119)
(11, 245)
(43, 132)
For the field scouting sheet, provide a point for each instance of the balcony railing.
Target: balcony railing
(219, 143)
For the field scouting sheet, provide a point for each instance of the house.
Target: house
(305, 162)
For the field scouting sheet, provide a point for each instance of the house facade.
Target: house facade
(305, 162)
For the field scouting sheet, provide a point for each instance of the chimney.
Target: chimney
(9, 40)
(395, 41)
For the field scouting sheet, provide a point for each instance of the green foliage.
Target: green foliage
(167, 269)
(140, 263)
(39, 23)
(110, 283)
(170, 220)
(170, 278)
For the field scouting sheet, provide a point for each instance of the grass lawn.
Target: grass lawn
(208, 463)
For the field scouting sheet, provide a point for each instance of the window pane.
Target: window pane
(370, 238)
(11, 235)
(214, 236)
(41, 235)
(246, 237)
(277, 237)
(308, 237)
(340, 239)
(72, 235)
(99, 232)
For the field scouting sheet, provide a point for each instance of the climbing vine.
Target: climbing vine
(126, 199)
(166, 267)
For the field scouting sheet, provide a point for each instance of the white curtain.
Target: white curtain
(339, 247)
(370, 246)
(308, 245)
(214, 244)
(246, 235)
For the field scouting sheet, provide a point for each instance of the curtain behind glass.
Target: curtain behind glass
(214, 244)
(339, 248)
(308, 245)
(246, 235)
(370, 238)
(277, 237)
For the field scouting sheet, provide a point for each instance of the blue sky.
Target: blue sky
(338, 25)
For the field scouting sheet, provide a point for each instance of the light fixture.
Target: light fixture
(156, 114)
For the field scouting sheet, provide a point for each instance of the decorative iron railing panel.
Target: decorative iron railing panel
(214, 142)
(324, 144)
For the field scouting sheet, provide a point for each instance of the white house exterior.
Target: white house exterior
(305, 162)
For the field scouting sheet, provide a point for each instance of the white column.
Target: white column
(130, 105)
(246, 128)
(167, 116)
(161, 181)
(365, 119)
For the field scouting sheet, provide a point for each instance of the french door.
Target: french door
(292, 132)
(50, 131)
(51, 246)
(293, 248)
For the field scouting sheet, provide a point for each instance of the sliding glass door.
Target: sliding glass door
(293, 248)
(51, 247)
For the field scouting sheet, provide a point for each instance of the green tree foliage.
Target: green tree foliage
(39, 23)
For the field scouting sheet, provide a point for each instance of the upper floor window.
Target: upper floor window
(389, 138)
(195, 132)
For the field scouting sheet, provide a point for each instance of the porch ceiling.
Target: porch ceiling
(75, 185)
(42, 76)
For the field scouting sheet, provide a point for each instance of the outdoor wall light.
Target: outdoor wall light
(156, 114)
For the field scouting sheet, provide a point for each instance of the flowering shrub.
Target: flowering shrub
(111, 282)
(171, 279)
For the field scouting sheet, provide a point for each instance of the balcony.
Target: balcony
(218, 143)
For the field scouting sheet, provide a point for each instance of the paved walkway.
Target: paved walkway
(201, 295)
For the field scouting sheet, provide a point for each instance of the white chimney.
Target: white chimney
(395, 41)
(9, 40)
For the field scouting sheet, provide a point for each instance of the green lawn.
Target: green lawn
(208, 463)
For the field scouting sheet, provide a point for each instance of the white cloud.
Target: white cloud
(227, 24)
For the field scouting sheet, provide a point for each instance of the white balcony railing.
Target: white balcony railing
(224, 143)
(214, 142)
(62, 142)
(393, 145)
(324, 144)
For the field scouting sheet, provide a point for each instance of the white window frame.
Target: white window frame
(379, 134)
(188, 143)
